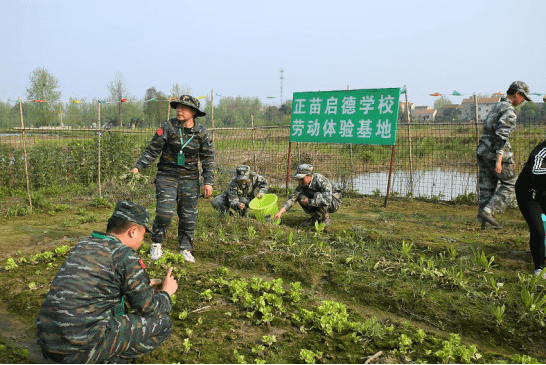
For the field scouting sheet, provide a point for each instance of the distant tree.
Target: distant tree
(45, 87)
(442, 101)
(156, 106)
(118, 91)
(236, 112)
(529, 110)
(177, 90)
(286, 108)
(272, 114)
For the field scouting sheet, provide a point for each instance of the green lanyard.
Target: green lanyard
(181, 157)
(96, 235)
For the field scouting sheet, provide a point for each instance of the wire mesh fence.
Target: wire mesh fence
(430, 160)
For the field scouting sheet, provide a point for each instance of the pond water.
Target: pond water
(446, 185)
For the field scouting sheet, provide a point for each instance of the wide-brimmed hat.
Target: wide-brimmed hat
(521, 87)
(190, 101)
(242, 173)
(133, 213)
(303, 170)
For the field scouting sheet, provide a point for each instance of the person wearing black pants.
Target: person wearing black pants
(531, 197)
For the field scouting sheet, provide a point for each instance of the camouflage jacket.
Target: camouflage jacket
(258, 184)
(167, 141)
(89, 289)
(498, 125)
(320, 189)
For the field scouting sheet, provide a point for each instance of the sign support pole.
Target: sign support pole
(288, 165)
(390, 176)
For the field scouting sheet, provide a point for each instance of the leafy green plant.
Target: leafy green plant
(481, 260)
(532, 304)
(310, 357)
(10, 264)
(186, 345)
(17, 210)
(498, 312)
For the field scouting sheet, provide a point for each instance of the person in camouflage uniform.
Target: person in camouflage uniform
(182, 144)
(494, 154)
(243, 187)
(316, 195)
(83, 317)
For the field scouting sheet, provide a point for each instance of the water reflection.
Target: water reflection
(445, 185)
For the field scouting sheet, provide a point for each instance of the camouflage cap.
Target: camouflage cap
(242, 172)
(190, 101)
(133, 213)
(521, 87)
(303, 170)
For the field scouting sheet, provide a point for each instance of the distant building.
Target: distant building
(402, 115)
(449, 113)
(423, 114)
(484, 107)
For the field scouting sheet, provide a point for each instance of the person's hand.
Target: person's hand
(498, 165)
(241, 206)
(278, 215)
(260, 195)
(304, 201)
(498, 169)
(207, 190)
(156, 283)
(169, 284)
(134, 171)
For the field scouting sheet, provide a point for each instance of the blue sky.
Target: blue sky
(238, 47)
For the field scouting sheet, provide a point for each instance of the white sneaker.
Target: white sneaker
(538, 271)
(155, 251)
(187, 255)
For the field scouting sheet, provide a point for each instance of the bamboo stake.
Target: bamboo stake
(409, 142)
(25, 152)
(212, 112)
(351, 150)
(168, 109)
(477, 141)
(253, 143)
(98, 148)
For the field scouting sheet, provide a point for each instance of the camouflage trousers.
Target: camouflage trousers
(320, 211)
(126, 337)
(488, 179)
(221, 204)
(185, 195)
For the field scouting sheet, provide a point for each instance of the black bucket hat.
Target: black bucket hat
(191, 102)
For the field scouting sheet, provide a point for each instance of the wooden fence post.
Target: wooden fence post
(253, 143)
(25, 153)
(98, 147)
(408, 117)
(477, 141)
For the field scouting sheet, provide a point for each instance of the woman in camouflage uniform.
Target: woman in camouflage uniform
(182, 144)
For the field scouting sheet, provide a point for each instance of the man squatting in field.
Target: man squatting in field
(83, 317)
(494, 155)
(316, 195)
(182, 143)
(243, 187)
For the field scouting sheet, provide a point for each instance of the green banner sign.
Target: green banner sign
(365, 116)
